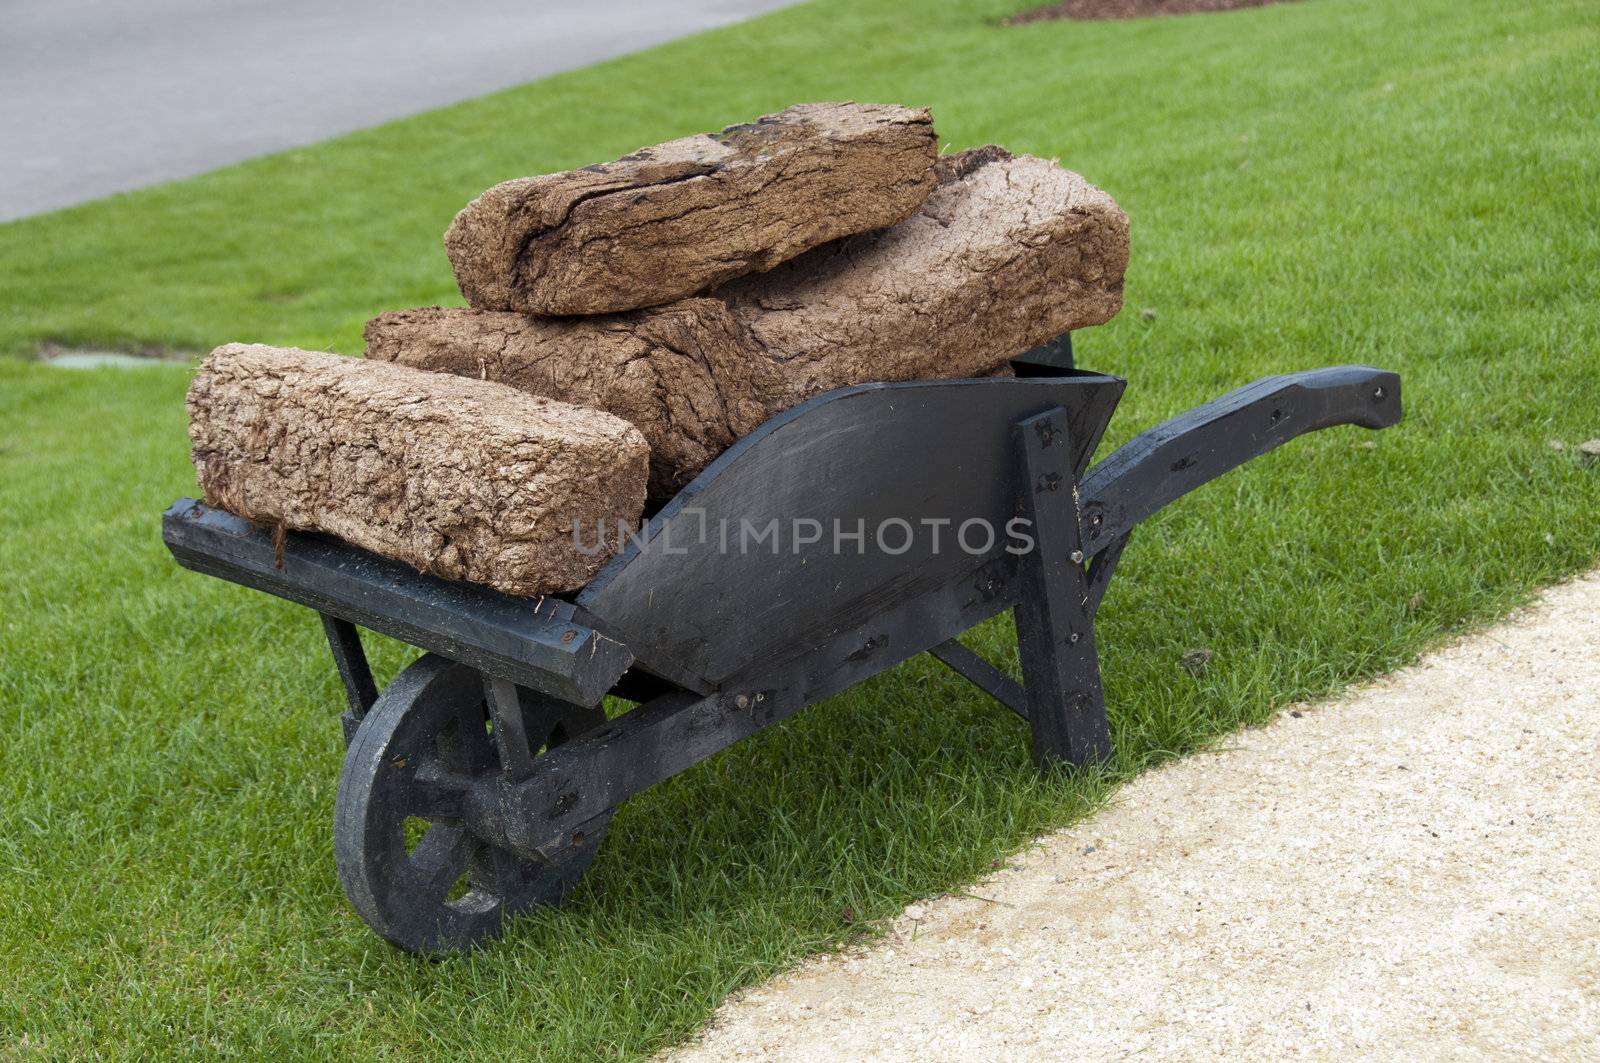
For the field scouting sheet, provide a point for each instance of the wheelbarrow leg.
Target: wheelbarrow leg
(1055, 614)
(354, 672)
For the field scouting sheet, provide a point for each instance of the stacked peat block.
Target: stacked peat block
(462, 478)
(1002, 254)
(684, 216)
(629, 322)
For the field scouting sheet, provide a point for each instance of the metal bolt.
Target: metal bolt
(1072, 639)
(568, 636)
(741, 701)
(1378, 394)
(1077, 557)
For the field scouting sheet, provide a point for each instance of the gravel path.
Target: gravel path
(1412, 871)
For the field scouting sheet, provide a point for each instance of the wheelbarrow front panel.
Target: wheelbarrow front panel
(832, 515)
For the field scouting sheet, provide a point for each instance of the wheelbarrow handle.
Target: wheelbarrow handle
(1170, 460)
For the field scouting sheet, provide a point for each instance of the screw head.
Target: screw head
(1077, 557)
(1378, 393)
(742, 701)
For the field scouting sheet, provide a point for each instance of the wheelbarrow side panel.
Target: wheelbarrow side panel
(708, 592)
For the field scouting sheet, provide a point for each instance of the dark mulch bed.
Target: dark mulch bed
(1109, 9)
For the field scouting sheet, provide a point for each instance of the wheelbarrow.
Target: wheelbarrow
(850, 533)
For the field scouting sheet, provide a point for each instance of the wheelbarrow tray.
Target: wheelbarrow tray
(718, 638)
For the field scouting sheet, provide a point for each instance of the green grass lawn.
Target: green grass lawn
(1412, 186)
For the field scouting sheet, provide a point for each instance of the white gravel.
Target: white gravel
(1409, 872)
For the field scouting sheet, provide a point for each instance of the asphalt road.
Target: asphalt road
(101, 96)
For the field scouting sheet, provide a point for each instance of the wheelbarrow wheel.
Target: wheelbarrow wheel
(406, 859)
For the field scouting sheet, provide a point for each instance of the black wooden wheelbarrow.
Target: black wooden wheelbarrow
(842, 537)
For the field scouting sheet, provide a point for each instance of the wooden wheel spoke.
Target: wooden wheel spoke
(434, 792)
(439, 859)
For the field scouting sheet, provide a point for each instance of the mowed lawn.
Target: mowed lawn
(1411, 186)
